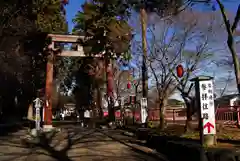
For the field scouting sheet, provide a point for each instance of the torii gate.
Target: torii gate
(49, 70)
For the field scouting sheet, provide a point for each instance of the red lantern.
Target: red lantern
(65, 2)
(180, 71)
(128, 85)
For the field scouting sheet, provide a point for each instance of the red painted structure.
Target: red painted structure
(127, 114)
(49, 71)
(227, 115)
(48, 94)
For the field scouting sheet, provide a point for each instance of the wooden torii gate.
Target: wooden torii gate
(49, 70)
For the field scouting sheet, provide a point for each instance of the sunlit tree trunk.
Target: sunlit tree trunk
(230, 40)
(143, 17)
(110, 79)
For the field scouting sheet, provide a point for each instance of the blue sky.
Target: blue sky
(72, 8)
(75, 5)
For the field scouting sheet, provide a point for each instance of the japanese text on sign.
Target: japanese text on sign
(207, 105)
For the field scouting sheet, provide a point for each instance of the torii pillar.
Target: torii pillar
(48, 93)
(78, 52)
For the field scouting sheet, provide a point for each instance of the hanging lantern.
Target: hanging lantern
(180, 71)
(65, 2)
(129, 85)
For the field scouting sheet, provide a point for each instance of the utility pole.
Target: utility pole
(143, 17)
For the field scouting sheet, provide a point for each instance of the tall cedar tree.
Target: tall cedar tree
(106, 32)
(104, 26)
(24, 25)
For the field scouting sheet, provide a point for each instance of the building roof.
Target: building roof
(224, 100)
(237, 33)
(230, 96)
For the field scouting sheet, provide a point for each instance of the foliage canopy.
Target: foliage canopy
(104, 26)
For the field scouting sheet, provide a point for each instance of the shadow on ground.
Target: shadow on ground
(67, 145)
(6, 129)
(177, 148)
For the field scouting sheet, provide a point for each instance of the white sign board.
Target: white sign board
(38, 118)
(144, 113)
(38, 102)
(87, 114)
(207, 106)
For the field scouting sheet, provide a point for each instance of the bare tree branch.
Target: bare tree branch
(236, 20)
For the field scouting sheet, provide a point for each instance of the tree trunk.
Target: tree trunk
(111, 111)
(188, 114)
(162, 120)
(162, 113)
(231, 46)
(235, 62)
(81, 113)
(236, 70)
(143, 17)
(109, 75)
(135, 106)
(99, 103)
(231, 42)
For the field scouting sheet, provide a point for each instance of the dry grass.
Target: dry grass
(228, 137)
(225, 133)
(230, 132)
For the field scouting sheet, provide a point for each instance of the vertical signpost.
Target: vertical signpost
(144, 113)
(205, 100)
(37, 113)
(122, 110)
(122, 102)
(132, 101)
(207, 107)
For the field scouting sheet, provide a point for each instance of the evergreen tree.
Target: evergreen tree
(104, 26)
(106, 33)
(24, 25)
